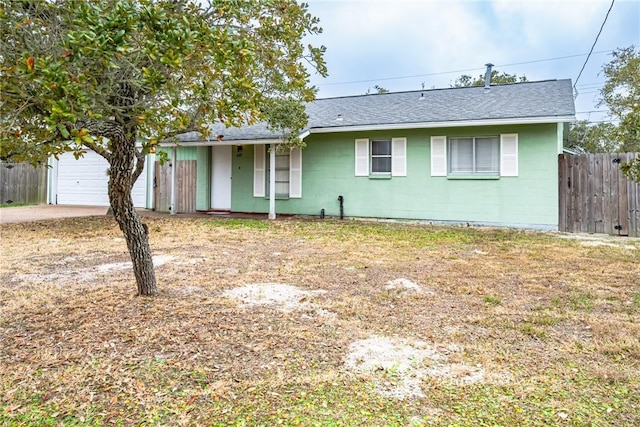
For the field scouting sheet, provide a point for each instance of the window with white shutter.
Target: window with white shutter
(362, 157)
(399, 157)
(295, 173)
(438, 156)
(469, 156)
(509, 154)
(288, 173)
(474, 156)
(258, 170)
(381, 157)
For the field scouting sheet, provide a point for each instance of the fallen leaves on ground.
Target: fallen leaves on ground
(552, 325)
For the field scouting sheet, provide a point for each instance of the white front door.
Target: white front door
(221, 178)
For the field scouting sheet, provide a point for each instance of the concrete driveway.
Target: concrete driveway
(43, 212)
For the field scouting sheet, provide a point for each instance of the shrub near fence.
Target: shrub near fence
(22, 183)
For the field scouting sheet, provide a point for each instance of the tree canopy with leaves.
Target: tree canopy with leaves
(466, 80)
(621, 93)
(378, 89)
(593, 138)
(119, 76)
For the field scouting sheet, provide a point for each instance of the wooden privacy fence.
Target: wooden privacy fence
(596, 197)
(22, 183)
(186, 174)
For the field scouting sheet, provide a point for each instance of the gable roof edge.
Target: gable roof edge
(430, 125)
(215, 142)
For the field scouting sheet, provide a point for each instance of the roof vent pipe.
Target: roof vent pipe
(487, 76)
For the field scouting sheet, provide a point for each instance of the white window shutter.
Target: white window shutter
(438, 156)
(295, 173)
(509, 154)
(362, 157)
(399, 156)
(258, 170)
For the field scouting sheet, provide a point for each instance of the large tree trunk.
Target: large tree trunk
(135, 232)
(123, 172)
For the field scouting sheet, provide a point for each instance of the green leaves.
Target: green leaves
(180, 64)
(593, 138)
(632, 169)
(621, 94)
(63, 131)
(287, 116)
(466, 80)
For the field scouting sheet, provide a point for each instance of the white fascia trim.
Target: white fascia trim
(304, 134)
(220, 143)
(428, 125)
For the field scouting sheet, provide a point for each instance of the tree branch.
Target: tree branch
(104, 128)
(110, 130)
(191, 128)
(140, 157)
(98, 149)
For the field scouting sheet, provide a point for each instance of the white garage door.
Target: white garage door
(84, 182)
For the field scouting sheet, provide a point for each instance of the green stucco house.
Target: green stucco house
(476, 155)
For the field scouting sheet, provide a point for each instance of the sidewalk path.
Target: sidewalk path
(42, 212)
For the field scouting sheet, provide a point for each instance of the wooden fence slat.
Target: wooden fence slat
(598, 194)
(634, 204)
(583, 195)
(590, 195)
(628, 203)
(634, 212)
(623, 200)
(181, 191)
(162, 186)
(606, 194)
(615, 205)
(575, 193)
(563, 190)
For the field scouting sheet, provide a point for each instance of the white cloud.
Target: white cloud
(381, 40)
(551, 23)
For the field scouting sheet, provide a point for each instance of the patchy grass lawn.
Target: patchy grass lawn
(317, 323)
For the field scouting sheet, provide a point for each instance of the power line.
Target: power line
(587, 92)
(591, 85)
(594, 45)
(458, 71)
(592, 111)
(604, 121)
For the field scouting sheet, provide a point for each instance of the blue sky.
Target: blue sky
(403, 44)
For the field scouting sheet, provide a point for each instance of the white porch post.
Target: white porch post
(52, 181)
(174, 165)
(272, 181)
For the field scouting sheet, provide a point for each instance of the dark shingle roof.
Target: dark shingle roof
(548, 100)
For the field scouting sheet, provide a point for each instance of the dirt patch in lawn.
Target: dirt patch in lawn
(316, 323)
(405, 285)
(397, 367)
(629, 243)
(281, 295)
(76, 274)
